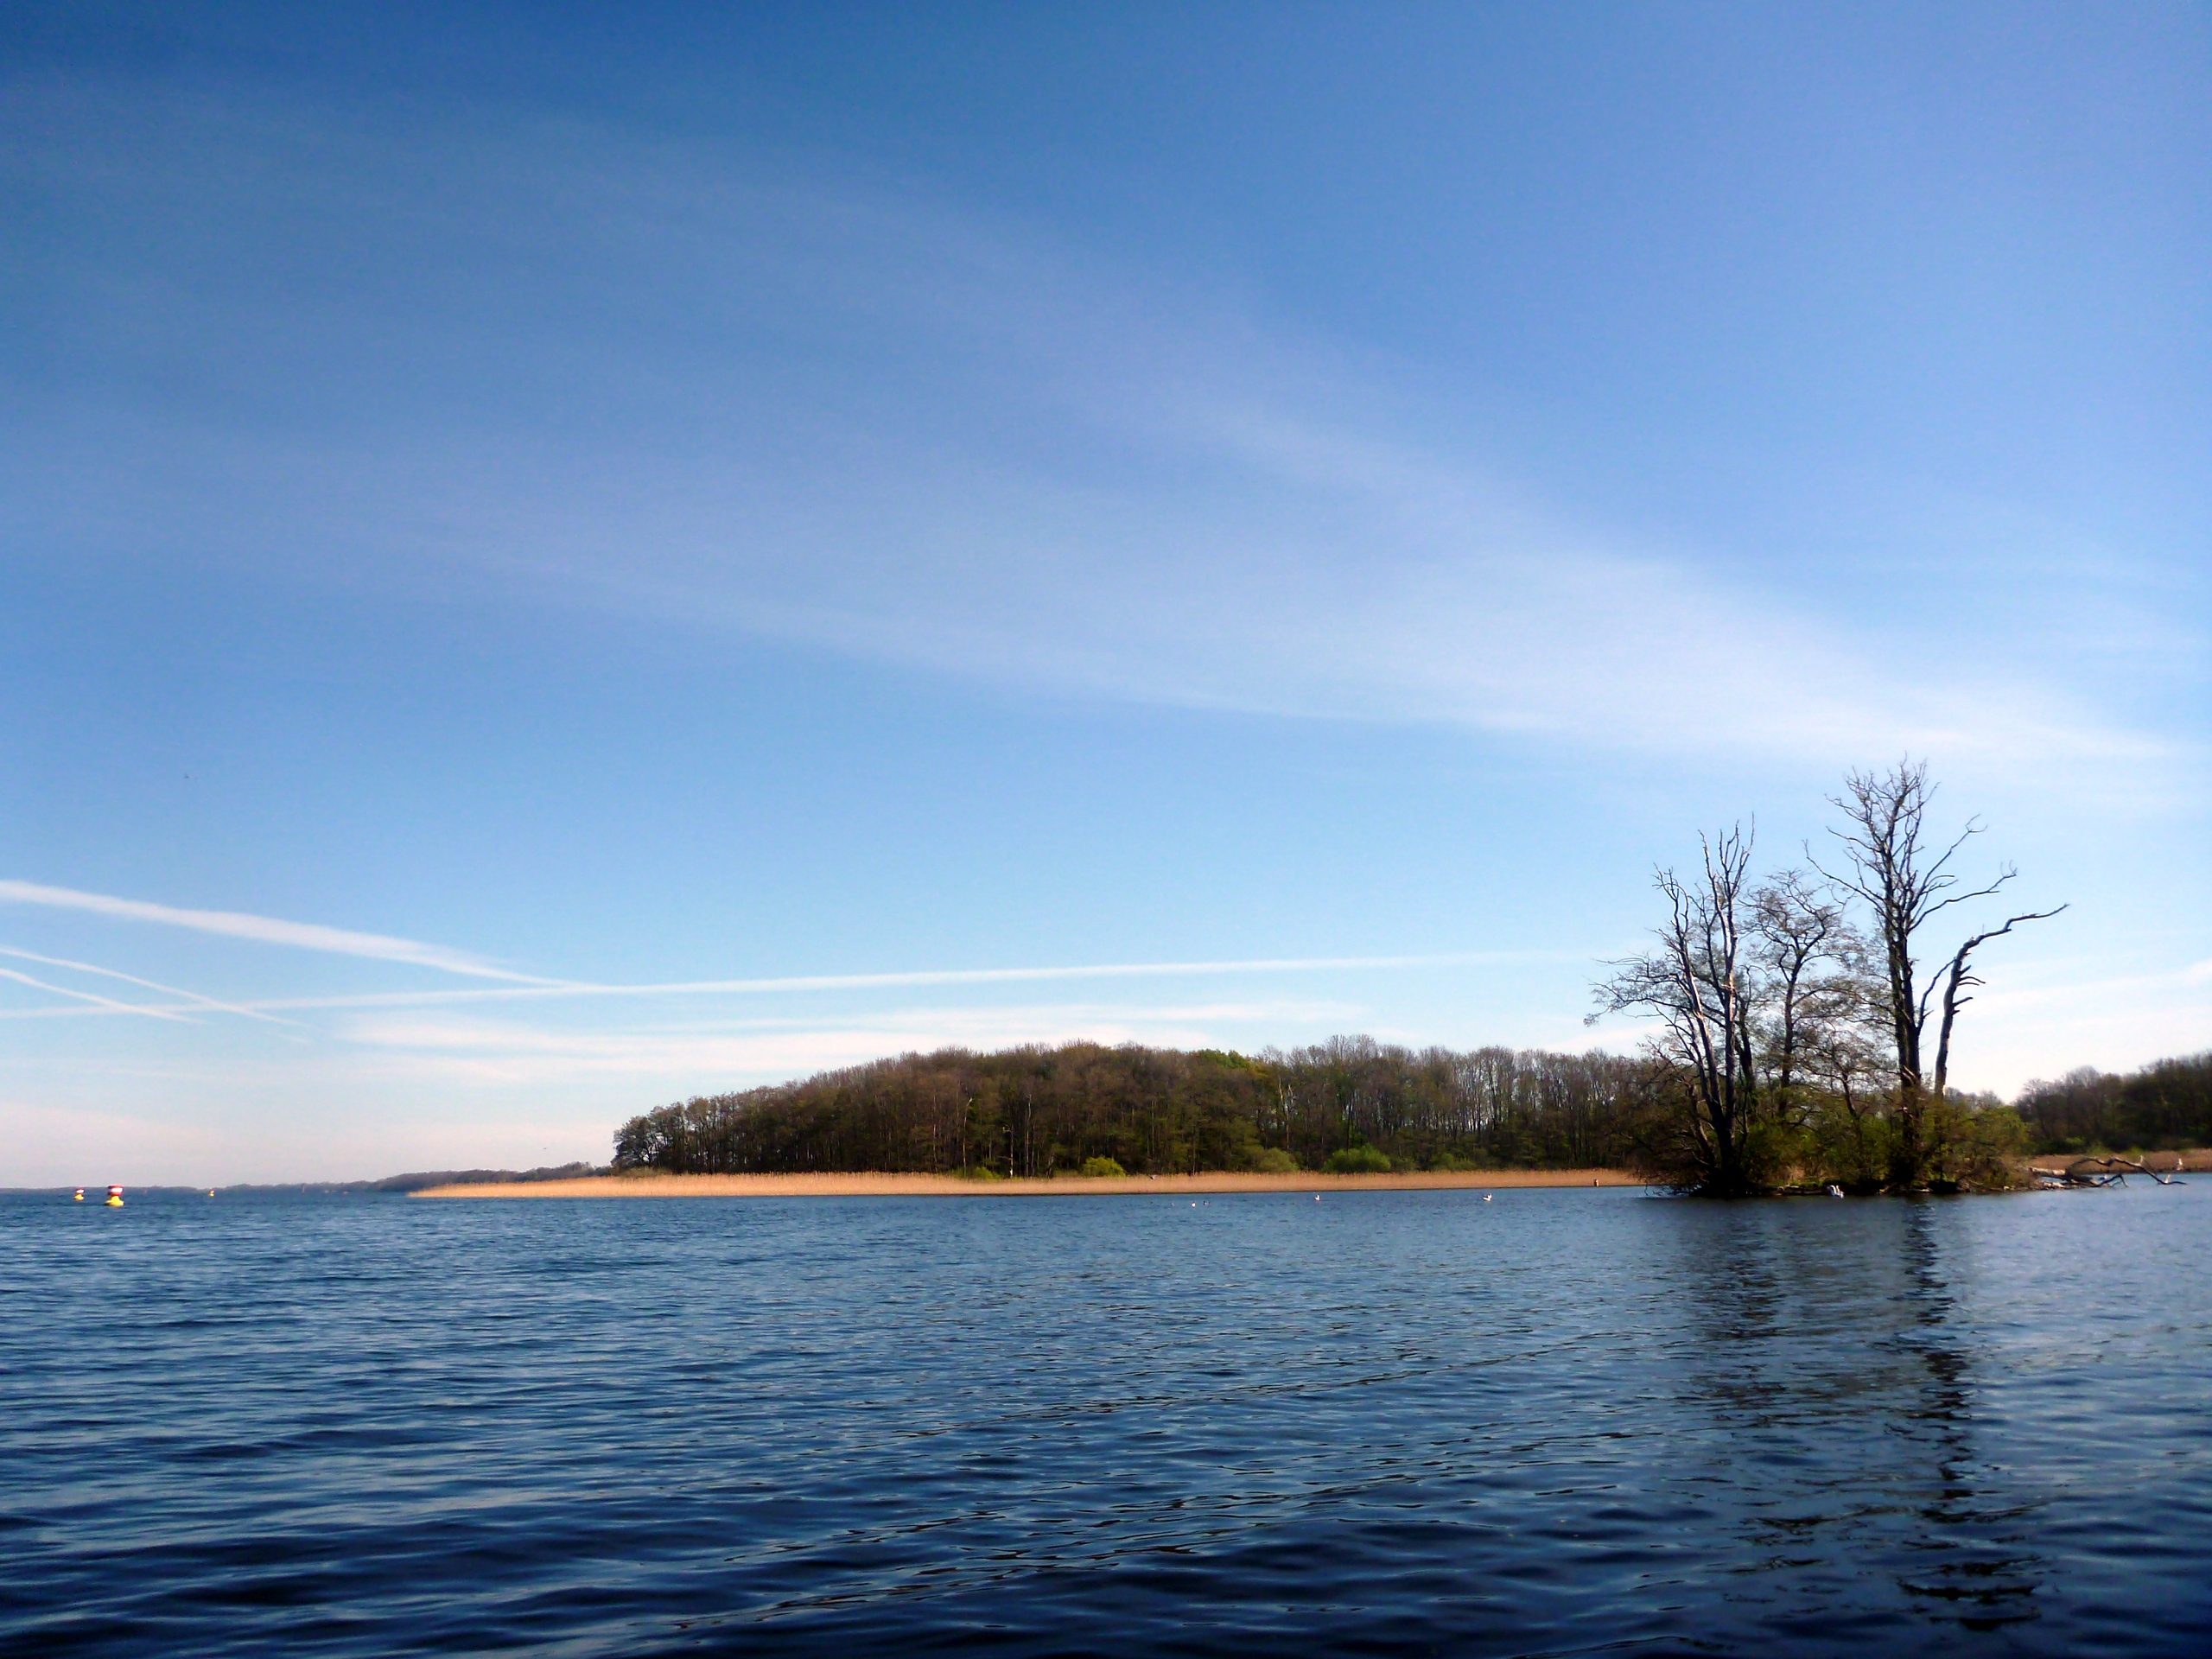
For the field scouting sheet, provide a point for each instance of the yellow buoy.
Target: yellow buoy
(80, 1195)
(115, 1198)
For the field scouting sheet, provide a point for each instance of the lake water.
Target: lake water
(1560, 1423)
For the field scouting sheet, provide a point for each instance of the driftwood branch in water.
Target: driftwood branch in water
(2105, 1172)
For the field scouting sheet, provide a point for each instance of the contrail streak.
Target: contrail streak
(193, 997)
(104, 1004)
(806, 983)
(263, 930)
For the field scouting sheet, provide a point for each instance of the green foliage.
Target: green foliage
(1982, 1147)
(1356, 1160)
(1774, 1150)
(1976, 1143)
(2160, 1108)
(1852, 1149)
(1229, 1059)
(1660, 1119)
(979, 1172)
(1101, 1166)
(1455, 1162)
(1032, 1111)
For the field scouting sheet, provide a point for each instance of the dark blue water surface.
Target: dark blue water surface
(1564, 1422)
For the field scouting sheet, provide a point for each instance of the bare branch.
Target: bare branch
(1957, 978)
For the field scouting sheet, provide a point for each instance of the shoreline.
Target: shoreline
(871, 1184)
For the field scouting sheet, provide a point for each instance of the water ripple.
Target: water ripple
(1564, 1422)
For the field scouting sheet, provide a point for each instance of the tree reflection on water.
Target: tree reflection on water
(1835, 1375)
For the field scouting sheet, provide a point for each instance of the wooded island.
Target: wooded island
(1346, 1106)
(1804, 1031)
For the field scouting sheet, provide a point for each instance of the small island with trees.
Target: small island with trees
(1800, 1022)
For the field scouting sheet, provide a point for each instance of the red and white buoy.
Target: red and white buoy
(115, 1198)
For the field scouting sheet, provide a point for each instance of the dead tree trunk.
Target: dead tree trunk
(1905, 882)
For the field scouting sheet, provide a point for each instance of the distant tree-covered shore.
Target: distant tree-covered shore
(1360, 1104)
(1037, 1111)
(2160, 1108)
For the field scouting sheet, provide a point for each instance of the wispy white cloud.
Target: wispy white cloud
(510, 1052)
(263, 930)
(194, 998)
(92, 1000)
(2077, 989)
(566, 990)
(380, 1048)
(904, 427)
(1256, 551)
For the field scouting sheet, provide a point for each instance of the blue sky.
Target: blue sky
(555, 559)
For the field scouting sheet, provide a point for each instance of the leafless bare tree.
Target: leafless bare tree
(1697, 983)
(1808, 957)
(1906, 881)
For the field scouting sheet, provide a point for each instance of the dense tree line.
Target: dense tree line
(2161, 1107)
(1045, 1111)
(1038, 1111)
